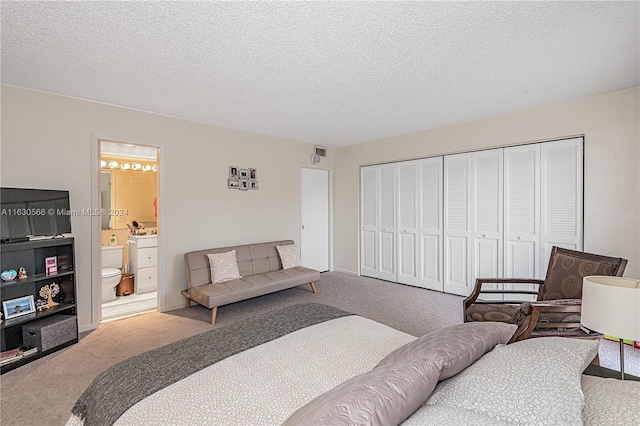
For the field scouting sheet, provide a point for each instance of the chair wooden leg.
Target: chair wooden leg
(214, 312)
(187, 302)
(313, 287)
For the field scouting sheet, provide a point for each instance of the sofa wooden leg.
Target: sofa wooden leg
(313, 287)
(214, 312)
(187, 302)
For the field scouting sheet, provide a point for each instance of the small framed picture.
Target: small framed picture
(253, 184)
(244, 184)
(253, 172)
(243, 173)
(233, 172)
(20, 306)
(233, 183)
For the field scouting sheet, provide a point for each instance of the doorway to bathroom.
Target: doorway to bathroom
(129, 225)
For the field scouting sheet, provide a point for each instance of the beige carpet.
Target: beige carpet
(44, 391)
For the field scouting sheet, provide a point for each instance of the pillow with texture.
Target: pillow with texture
(429, 415)
(535, 381)
(224, 266)
(384, 396)
(455, 347)
(289, 256)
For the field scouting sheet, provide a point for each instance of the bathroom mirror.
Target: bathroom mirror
(130, 194)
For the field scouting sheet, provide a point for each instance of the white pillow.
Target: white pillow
(289, 256)
(535, 381)
(224, 267)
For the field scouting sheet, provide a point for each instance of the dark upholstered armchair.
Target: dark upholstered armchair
(556, 311)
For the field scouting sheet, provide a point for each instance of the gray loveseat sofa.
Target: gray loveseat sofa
(261, 271)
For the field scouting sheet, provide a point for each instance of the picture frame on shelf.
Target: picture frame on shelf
(17, 307)
(253, 184)
(233, 183)
(244, 184)
(233, 172)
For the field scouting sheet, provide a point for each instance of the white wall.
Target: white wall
(610, 123)
(46, 143)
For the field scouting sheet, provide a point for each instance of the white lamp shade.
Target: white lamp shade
(611, 305)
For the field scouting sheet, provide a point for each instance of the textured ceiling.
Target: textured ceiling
(329, 73)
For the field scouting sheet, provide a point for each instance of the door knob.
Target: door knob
(519, 237)
(484, 235)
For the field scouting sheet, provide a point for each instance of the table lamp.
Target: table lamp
(611, 305)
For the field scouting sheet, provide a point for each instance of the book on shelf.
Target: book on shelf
(16, 354)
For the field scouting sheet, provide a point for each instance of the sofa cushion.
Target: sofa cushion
(224, 267)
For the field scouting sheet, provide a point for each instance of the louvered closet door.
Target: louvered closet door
(408, 248)
(561, 201)
(522, 212)
(487, 214)
(386, 241)
(430, 217)
(368, 220)
(457, 232)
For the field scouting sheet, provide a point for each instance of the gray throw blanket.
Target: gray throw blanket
(123, 385)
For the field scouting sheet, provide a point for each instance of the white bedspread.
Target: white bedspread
(265, 384)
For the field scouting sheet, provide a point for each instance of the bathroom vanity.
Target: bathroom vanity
(143, 261)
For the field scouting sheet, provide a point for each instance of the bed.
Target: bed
(315, 364)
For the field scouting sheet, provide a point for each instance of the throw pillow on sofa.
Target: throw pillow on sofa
(224, 267)
(289, 256)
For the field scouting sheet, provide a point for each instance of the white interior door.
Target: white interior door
(487, 218)
(368, 220)
(457, 232)
(522, 212)
(561, 201)
(408, 247)
(314, 236)
(430, 230)
(386, 244)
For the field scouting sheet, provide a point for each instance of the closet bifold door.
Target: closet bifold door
(561, 201)
(487, 218)
(386, 229)
(408, 248)
(522, 213)
(368, 220)
(430, 220)
(457, 224)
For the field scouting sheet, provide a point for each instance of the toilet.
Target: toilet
(111, 272)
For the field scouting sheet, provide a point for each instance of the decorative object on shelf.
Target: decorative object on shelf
(51, 265)
(242, 179)
(17, 307)
(611, 305)
(41, 305)
(8, 275)
(49, 291)
(22, 273)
